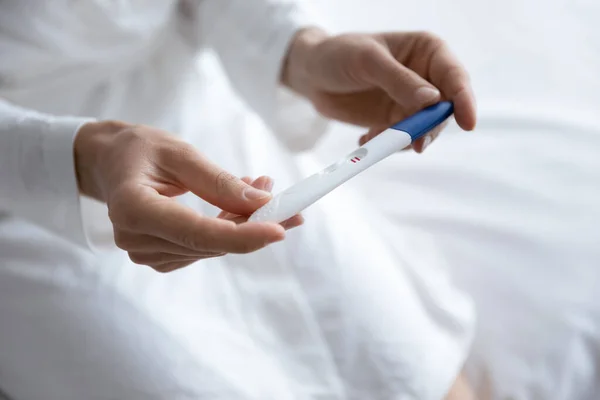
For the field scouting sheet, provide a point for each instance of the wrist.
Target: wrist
(89, 148)
(295, 72)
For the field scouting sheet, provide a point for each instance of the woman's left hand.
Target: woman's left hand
(376, 80)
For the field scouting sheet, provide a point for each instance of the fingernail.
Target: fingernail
(426, 95)
(255, 194)
(426, 142)
(269, 184)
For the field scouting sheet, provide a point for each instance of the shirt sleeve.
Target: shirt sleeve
(251, 39)
(37, 172)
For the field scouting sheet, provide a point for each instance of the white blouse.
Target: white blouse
(95, 56)
(332, 312)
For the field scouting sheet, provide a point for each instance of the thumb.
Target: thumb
(215, 185)
(403, 85)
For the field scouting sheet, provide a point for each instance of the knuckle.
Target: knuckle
(245, 247)
(209, 243)
(184, 149)
(136, 132)
(137, 258)
(455, 78)
(177, 152)
(322, 105)
(429, 39)
(172, 266)
(193, 242)
(113, 213)
(135, 135)
(224, 182)
(121, 239)
(426, 42)
(124, 216)
(366, 59)
(120, 212)
(163, 268)
(161, 258)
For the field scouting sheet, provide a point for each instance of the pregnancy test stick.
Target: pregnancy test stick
(306, 192)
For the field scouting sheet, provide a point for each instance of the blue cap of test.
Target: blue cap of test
(419, 124)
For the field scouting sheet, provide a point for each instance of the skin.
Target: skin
(370, 80)
(138, 171)
(376, 80)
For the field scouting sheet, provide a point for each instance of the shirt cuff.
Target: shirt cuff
(64, 199)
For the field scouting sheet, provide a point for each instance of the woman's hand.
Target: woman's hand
(376, 80)
(138, 170)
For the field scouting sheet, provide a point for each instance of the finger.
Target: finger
(165, 218)
(262, 183)
(140, 243)
(174, 266)
(288, 224)
(157, 259)
(218, 235)
(419, 145)
(224, 214)
(370, 135)
(448, 74)
(212, 183)
(404, 86)
(422, 143)
(293, 222)
(265, 183)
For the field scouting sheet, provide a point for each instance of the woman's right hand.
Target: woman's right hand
(138, 170)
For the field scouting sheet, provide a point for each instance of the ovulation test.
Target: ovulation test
(298, 197)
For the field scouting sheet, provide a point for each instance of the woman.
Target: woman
(90, 90)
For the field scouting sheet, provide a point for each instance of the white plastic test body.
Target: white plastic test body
(306, 192)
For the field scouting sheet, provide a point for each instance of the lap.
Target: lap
(72, 328)
(515, 217)
(333, 309)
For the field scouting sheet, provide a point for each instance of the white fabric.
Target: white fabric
(37, 165)
(337, 311)
(514, 208)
